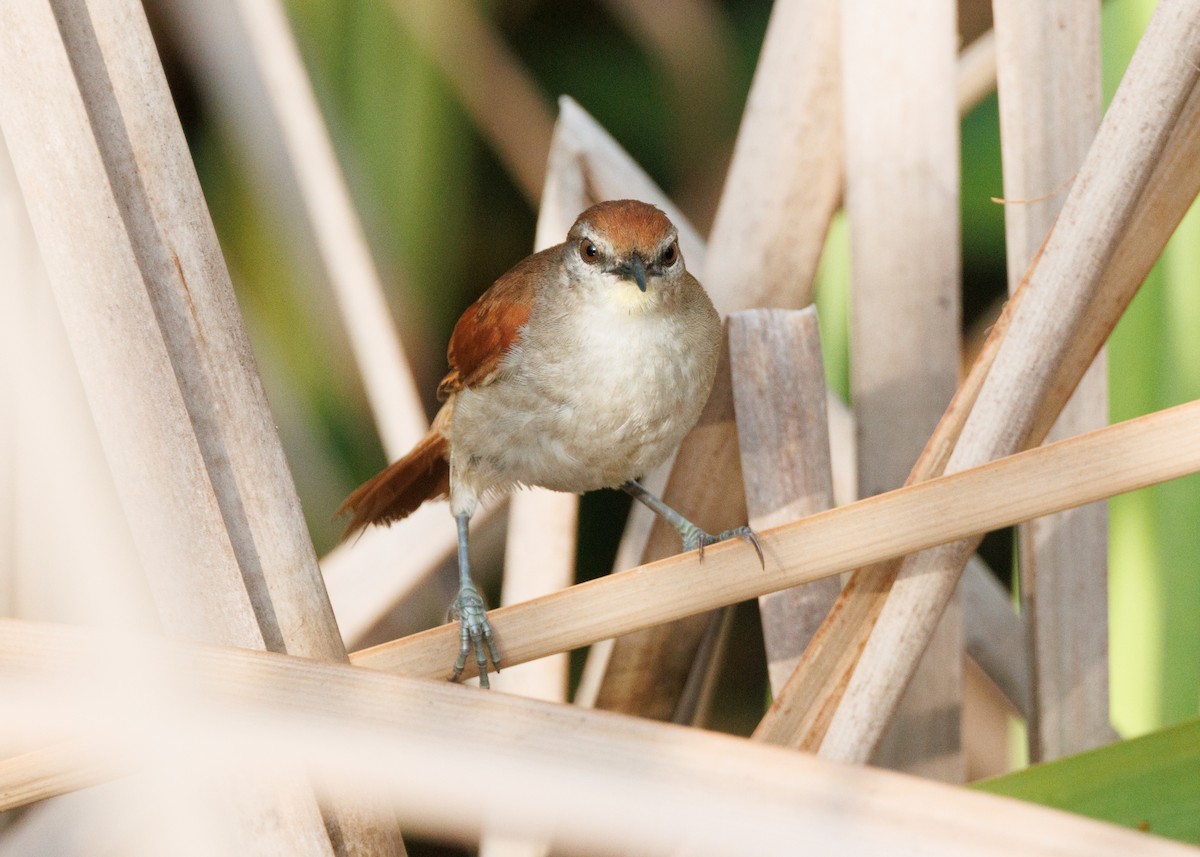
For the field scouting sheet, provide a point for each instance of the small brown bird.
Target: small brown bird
(581, 368)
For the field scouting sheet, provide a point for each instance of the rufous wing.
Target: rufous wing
(492, 325)
(483, 335)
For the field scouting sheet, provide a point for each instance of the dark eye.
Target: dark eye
(588, 252)
(670, 254)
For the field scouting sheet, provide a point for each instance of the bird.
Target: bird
(581, 368)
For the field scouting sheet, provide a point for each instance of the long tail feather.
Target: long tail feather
(397, 491)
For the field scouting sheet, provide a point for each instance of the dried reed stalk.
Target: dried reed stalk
(995, 633)
(775, 358)
(780, 192)
(987, 715)
(16, 248)
(976, 72)
(247, 60)
(1136, 182)
(93, 576)
(43, 99)
(567, 773)
(365, 583)
(147, 303)
(1049, 80)
(902, 178)
(539, 558)
(784, 182)
(379, 354)
(1081, 470)
(783, 440)
(51, 771)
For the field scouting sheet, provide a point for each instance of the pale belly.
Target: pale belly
(542, 426)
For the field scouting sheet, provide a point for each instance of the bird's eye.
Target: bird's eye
(671, 254)
(588, 252)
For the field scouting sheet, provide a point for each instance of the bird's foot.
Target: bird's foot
(695, 538)
(475, 632)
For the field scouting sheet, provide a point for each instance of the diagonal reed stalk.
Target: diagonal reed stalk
(780, 192)
(782, 188)
(567, 773)
(1136, 183)
(902, 213)
(149, 309)
(128, 243)
(1050, 69)
(1081, 470)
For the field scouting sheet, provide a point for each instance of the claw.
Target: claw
(697, 539)
(475, 632)
(745, 534)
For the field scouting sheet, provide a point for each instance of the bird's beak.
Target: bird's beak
(636, 268)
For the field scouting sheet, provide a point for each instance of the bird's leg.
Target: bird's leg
(693, 537)
(471, 612)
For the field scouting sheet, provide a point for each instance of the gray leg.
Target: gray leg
(471, 613)
(693, 537)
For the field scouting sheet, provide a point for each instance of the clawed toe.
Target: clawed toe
(475, 633)
(697, 539)
(745, 534)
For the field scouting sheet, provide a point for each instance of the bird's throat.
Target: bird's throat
(629, 298)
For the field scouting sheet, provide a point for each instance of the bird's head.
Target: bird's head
(626, 250)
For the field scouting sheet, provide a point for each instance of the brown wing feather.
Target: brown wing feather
(397, 491)
(482, 336)
(490, 326)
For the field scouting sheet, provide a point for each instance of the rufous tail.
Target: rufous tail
(397, 491)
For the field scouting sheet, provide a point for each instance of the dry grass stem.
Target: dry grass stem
(379, 355)
(42, 99)
(190, 440)
(247, 60)
(1037, 482)
(539, 558)
(286, 113)
(995, 633)
(783, 438)
(976, 72)
(785, 180)
(901, 142)
(986, 720)
(798, 99)
(54, 770)
(48, 440)
(800, 714)
(1059, 322)
(766, 240)
(413, 743)
(1050, 68)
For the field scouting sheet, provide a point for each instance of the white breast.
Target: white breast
(591, 399)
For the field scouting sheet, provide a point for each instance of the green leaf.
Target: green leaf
(1150, 783)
